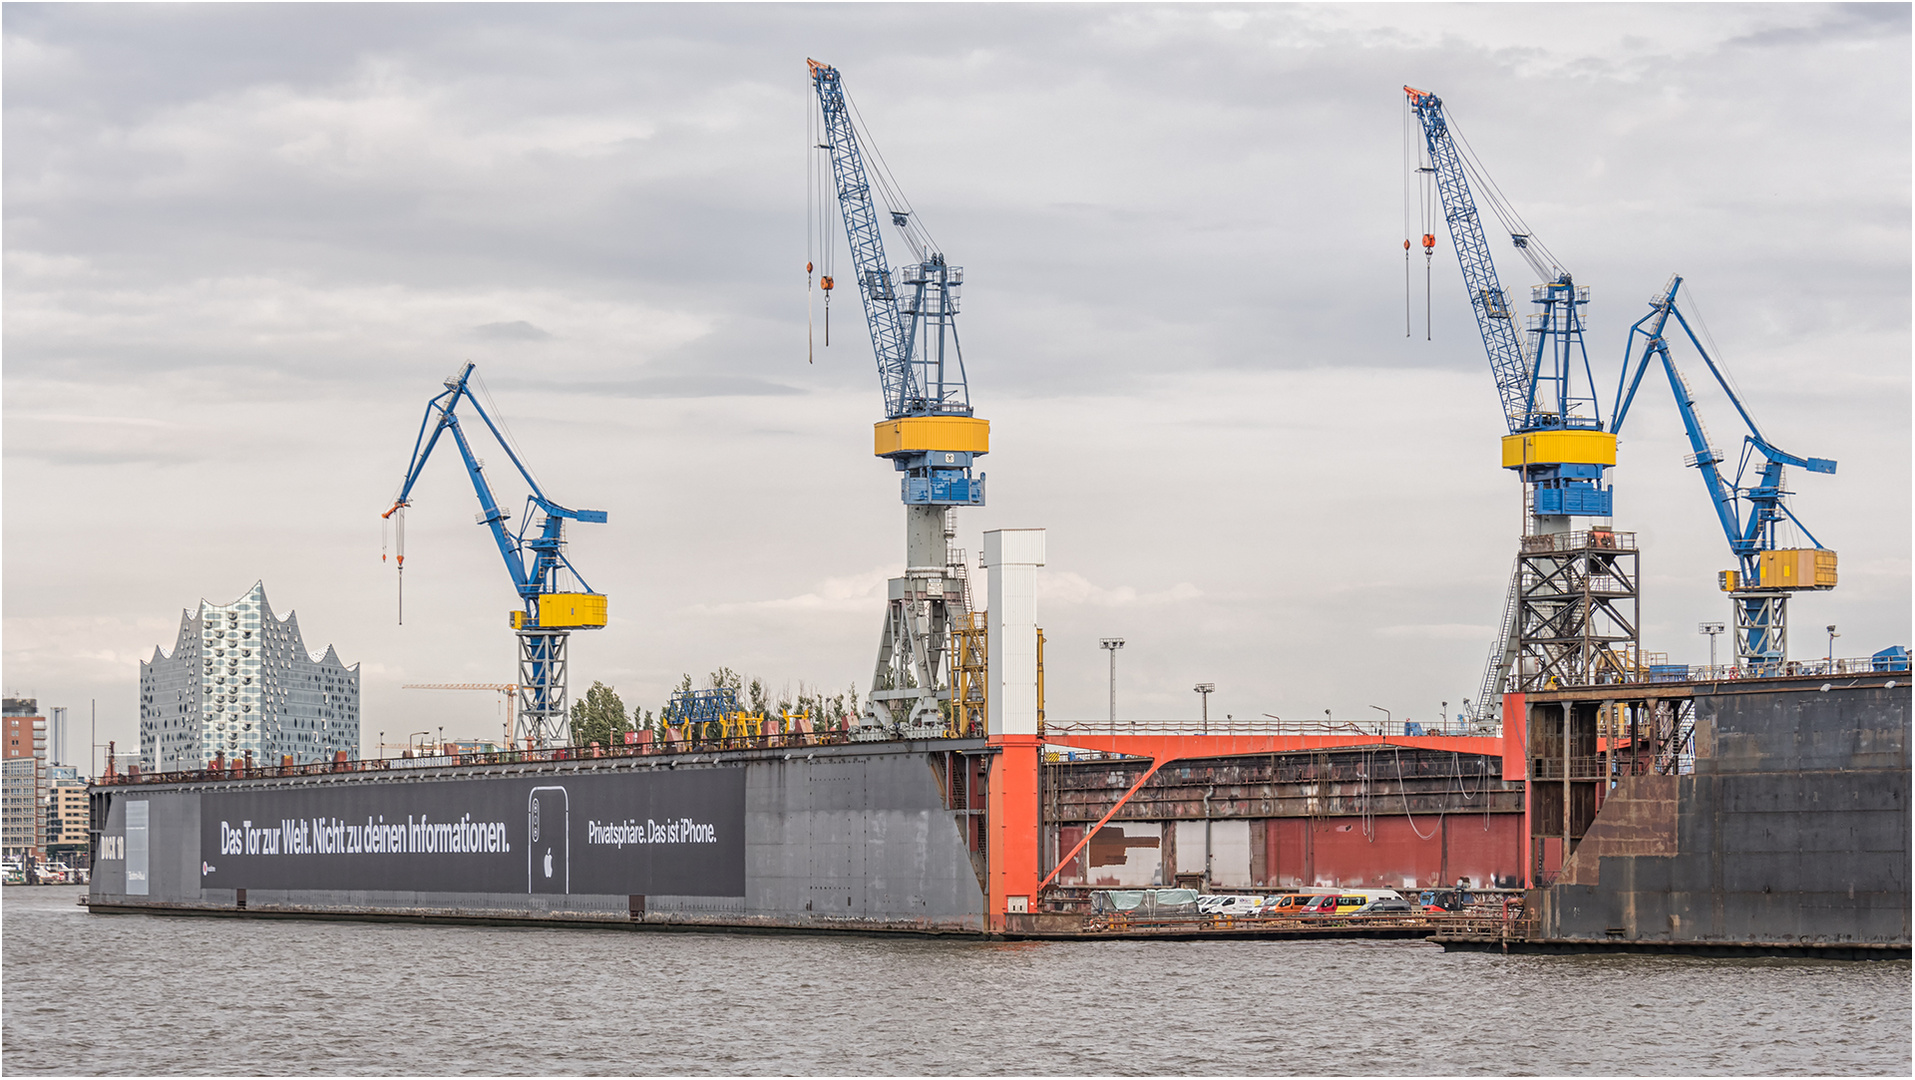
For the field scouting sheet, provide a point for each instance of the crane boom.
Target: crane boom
(508, 692)
(534, 556)
(532, 560)
(1494, 317)
(917, 379)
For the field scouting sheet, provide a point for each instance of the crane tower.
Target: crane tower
(1572, 611)
(928, 434)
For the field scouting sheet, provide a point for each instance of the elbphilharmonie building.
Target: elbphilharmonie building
(241, 681)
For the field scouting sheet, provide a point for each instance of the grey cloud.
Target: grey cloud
(518, 330)
(662, 386)
(1181, 230)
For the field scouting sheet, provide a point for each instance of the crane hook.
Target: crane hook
(396, 518)
(826, 283)
(1429, 256)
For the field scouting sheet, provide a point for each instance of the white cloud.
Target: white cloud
(853, 593)
(1440, 632)
(1070, 588)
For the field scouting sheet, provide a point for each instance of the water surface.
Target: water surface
(140, 994)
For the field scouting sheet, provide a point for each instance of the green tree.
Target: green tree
(599, 717)
(726, 678)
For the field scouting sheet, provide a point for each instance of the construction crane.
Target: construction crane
(1766, 574)
(534, 556)
(509, 692)
(1556, 442)
(928, 433)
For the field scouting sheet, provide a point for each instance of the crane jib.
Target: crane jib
(1767, 569)
(534, 556)
(1488, 301)
(900, 306)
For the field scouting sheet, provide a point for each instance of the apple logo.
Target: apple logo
(548, 862)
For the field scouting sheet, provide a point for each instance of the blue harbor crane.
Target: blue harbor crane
(534, 555)
(1556, 442)
(1749, 507)
(929, 433)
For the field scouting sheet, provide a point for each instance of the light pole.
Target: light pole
(1711, 629)
(1111, 645)
(1832, 636)
(1205, 688)
(1388, 720)
(1443, 718)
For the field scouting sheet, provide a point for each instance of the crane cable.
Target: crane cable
(1409, 156)
(1419, 190)
(915, 234)
(392, 526)
(811, 202)
(820, 209)
(1541, 260)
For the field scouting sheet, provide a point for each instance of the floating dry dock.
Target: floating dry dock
(1787, 833)
(1753, 813)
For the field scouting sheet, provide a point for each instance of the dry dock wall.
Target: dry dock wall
(1793, 829)
(855, 837)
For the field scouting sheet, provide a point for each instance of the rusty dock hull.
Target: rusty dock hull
(1788, 835)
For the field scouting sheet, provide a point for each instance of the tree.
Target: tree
(599, 717)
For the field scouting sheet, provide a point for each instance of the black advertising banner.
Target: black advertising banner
(655, 832)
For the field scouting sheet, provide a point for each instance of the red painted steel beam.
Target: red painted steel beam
(1092, 831)
(1165, 748)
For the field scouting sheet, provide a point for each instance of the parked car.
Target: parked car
(1331, 904)
(1228, 904)
(1388, 905)
(1285, 904)
(1446, 899)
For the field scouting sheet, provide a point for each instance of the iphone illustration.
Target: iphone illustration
(548, 829)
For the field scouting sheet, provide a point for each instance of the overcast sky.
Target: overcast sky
(244, 245)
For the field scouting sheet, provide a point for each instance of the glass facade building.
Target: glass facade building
(241, 681)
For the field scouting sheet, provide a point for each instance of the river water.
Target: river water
(90, 994)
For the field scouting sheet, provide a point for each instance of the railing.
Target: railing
(1579, 768)
(1839, 667)
(241, 771)
(1269, 725)
(1504, 922)
(1596, 539)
